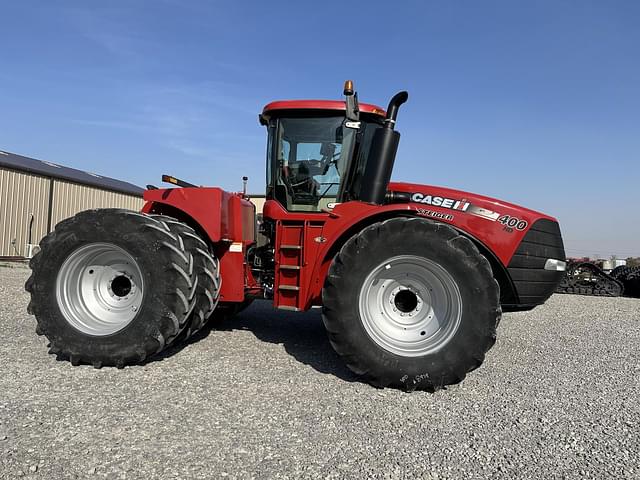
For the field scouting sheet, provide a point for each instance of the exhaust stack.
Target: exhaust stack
(382, 155)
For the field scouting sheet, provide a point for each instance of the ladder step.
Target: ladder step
(289, 287)
(289, 267)
(287, 307)
(290, 247)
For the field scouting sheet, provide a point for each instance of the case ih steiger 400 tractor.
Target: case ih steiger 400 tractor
(412, 279)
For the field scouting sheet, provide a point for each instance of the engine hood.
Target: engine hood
(452, 199)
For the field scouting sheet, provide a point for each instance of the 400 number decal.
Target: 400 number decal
(513, 222)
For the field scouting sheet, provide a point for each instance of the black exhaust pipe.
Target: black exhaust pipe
(382, 155)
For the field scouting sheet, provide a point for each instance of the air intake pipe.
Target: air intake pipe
(382, 155)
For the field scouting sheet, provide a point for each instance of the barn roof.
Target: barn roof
(53, 170)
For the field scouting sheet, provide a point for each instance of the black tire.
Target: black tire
(480, 308)
(168, 298)
(207, 269)
(620, 272)
(631, 281)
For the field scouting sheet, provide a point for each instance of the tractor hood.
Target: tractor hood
(464, 202)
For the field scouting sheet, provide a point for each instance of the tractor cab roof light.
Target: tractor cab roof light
(351, 103)
(348, 88)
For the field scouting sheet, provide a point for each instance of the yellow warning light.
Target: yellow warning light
(348, 87)
(169, 179)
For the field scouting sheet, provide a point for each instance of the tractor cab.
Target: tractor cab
(318, 150)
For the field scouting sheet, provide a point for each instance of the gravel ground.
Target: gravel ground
(267, 398)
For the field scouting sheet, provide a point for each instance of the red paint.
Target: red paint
(220, 215)
(491, 233)
(338, 105)
(343, 217)
(232, 272)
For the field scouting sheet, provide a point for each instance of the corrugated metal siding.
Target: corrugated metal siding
(259, 203)
(71, 198)
(21, 194)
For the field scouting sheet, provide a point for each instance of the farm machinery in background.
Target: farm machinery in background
(587, 278)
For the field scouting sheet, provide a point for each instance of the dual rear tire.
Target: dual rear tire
(207, 269)
(112, 287)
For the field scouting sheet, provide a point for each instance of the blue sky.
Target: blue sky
(537, 103)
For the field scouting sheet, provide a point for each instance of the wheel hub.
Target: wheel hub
(410, 305)
(99, 289)
(121, 286)
(406, 301)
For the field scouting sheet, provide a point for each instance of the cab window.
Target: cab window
(310, 161)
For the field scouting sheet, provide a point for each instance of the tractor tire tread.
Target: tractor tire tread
(340, 311)
(207, 275)
(166, 315)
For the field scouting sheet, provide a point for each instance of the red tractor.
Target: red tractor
(412, 279)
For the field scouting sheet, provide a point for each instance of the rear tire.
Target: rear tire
(411, 303)
(95, 263)
(207, 269)
(620, 272)
(631, 281)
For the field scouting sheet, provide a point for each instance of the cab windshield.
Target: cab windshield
(311, 159)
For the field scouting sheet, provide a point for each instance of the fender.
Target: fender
(225, 218)
(321, 269)
(217, 213)
(496, 225)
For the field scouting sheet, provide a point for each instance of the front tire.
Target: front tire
(111, 287)
(411, 303)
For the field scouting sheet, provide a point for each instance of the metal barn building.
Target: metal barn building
(35, 195)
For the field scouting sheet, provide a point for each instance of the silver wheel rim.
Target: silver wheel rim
(410, 306)
(99, 289)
